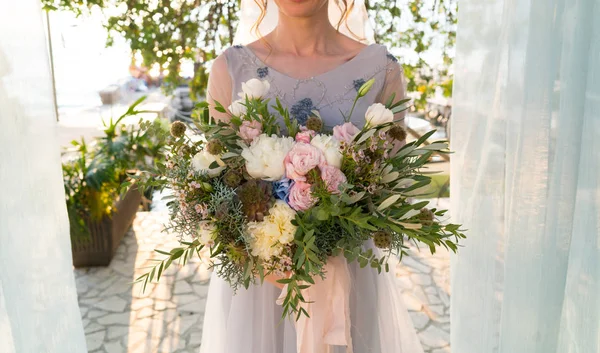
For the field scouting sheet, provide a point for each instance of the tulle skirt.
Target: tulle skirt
(249, 321)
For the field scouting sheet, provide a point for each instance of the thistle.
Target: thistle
(256, 197)
(178, 129)
(232, 179)
(426, 216)
(215, 147)
(382, 239)
(397, 133)
(314, 123)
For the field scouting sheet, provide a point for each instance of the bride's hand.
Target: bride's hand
(273, 278)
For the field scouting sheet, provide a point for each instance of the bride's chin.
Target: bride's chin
(301, 8)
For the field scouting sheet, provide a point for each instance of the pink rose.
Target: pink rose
(302, 158)
(250, 130)
(345, 132)
(305, 136)
(301, 197)
(333, 178)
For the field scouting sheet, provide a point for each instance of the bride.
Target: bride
(314, 57)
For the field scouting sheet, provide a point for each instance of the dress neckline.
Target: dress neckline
(335, 69)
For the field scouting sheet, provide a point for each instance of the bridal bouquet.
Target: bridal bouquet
(271, 198)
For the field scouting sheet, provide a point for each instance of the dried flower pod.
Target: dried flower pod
(426, 216)
(314, 123)
(215, 147)
(382, 239)
(397, 132)
(256, 197)
(232, 178)
(178, 129)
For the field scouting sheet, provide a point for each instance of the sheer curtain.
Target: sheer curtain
(38, 301)
(526, 175)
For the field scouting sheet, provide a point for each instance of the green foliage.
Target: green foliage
(417, 27)
(93, 178)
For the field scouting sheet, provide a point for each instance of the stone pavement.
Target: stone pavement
(168, 317)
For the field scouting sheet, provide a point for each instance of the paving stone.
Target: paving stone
(93, 327)
(434, 337)
(441, 350)
(419, 319)
(433, 299)
(163, 305)
(115, 319)
(182, 287)
(196, 307)
(412, 263)
(96, 313)
(95, 340)
(145, 312)
(420, 279)
(118, 287)
(113, 304)
(201, 289)
(114, 347)
(141, 303)
(162, 291)
(117, 331)
(186, 298)
(195, 338)
(412, 303)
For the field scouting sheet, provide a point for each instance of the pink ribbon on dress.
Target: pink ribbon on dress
(328, 308)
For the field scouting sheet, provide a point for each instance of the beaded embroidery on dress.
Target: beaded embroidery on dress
(249, 320)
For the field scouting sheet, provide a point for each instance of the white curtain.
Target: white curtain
(526, 177)
(38, 301)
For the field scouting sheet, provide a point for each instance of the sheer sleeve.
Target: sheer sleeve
(394, 83)
(219, 87)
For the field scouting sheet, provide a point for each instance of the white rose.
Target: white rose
(254, 88)
(378, 114)
(207, 233)
(264, 158)
(238, 107)
(202, 161)
(330, 147)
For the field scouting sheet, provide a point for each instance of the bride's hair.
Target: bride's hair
(345, 6)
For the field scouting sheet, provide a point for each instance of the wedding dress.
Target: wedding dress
(249, 321)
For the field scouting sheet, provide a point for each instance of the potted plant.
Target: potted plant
(99, 213)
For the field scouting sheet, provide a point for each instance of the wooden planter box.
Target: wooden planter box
(106, 235)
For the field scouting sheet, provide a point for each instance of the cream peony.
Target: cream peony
(254, 88)
(264, 158)
(378, 114)
(330, 147)
(207, 233)
(238, 108)
(202, 161)
(267, 238)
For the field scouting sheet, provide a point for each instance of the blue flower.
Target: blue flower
(302, 110)
(392, 58)
(262, 72)
(281, 189)
(358, 83)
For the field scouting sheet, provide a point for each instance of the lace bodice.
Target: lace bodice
(331, 93)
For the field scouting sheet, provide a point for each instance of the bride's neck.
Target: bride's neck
(303, 36)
